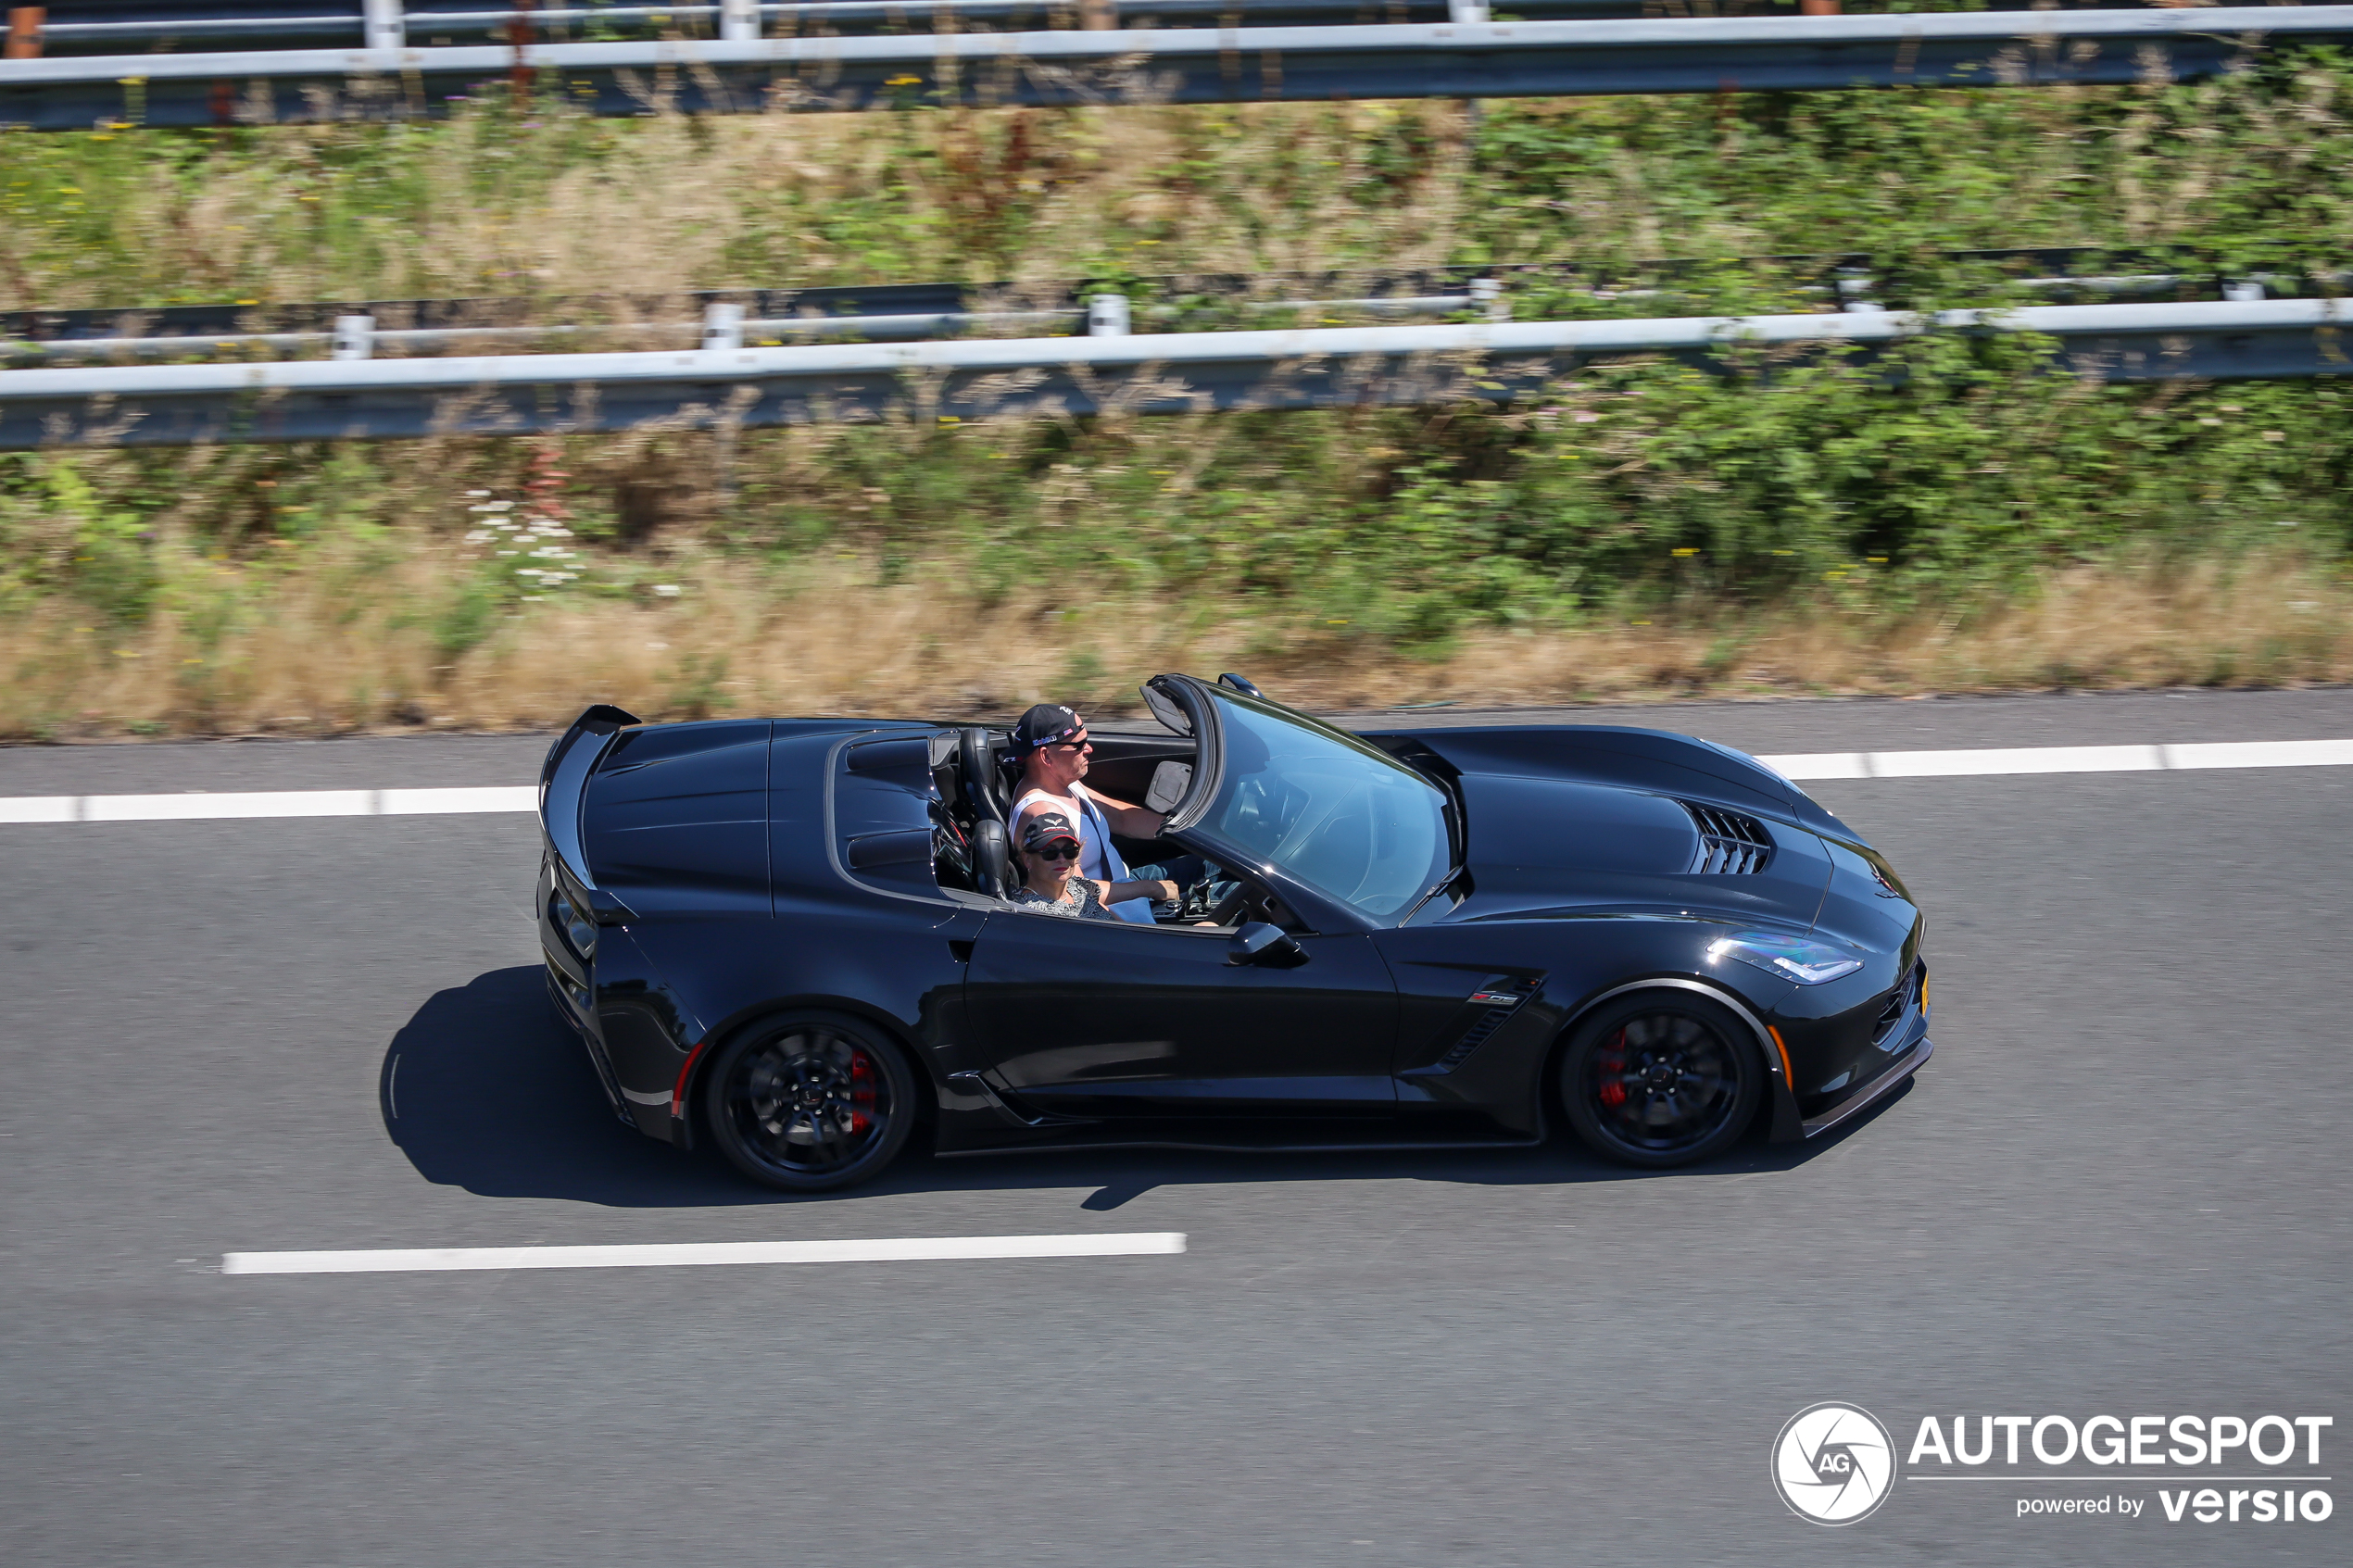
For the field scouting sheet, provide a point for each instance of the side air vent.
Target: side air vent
(1898, 1003)
(1500, 1001)
(1729, 843)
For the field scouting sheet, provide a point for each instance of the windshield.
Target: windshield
(1329, 810)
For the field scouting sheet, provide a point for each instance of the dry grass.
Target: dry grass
(666, 204)
(317, 664)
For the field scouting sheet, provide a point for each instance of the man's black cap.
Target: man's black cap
(1047, 827)
(1044, 725)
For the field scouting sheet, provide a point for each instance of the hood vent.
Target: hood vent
(1729, 843)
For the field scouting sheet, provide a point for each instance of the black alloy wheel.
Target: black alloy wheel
(1662, 1078)
(810, 1103)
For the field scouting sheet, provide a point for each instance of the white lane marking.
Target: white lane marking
(1989, 761)
(181, 807)
(2262, 754)
(2022, 760)
(196, 805)
(1976, 762)
(437, 802)
(693, 1253)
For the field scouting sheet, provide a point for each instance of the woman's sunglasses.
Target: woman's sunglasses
(1063, 851)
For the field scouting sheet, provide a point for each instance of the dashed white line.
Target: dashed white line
(197, 805)
(704, 1253)
(1993, 761)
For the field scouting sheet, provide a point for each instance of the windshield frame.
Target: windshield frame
(1326, 911)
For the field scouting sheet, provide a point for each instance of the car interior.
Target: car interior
(973, 792)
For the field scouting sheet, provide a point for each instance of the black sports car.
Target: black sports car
(790, 936)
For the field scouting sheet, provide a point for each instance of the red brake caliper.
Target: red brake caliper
(1609, 1065)
(861, 1092)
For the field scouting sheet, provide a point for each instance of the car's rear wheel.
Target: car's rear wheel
(1661, 1078)
(810, 1102)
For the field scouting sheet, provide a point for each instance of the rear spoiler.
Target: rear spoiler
(563, 789)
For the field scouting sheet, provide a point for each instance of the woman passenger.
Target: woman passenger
(1050, 859)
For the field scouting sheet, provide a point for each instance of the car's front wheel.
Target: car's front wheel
(1661, 1078)
(810, 1103)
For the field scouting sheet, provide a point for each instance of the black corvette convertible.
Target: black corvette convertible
(789, 937)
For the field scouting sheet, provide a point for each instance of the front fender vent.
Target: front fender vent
(1500, 1001)
(1729, 843)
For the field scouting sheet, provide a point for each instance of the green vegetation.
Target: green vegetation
(1946, 481)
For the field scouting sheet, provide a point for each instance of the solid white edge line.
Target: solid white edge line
(691, 1254)
(1964, 764)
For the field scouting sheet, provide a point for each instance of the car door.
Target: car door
(1104, 1019)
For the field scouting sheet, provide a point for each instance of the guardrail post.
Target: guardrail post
(739, 20)
(2243, 291)
(1855, 293)
(723, 326)
(384, 27)
(1466, 10)
(519, 33)
(24, 31)
(1107, 316)
(355, 337)
(1488, 292)
(1099, 16)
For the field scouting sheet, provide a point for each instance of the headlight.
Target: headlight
(1793, 958)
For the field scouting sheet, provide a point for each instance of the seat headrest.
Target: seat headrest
(992, 858)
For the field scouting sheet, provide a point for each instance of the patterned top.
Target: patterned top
(1088, 905)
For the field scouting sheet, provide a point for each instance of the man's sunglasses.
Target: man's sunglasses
(1079, 745)
(1063, 851)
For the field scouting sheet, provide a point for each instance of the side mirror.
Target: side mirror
(1268, 947)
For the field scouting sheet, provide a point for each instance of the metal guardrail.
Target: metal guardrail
(389, 24)
(1175, 303)
(728, 388)
(356, 336)
(1467, 60)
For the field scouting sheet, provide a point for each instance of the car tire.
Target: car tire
(809, 1102)
(1661, 1078)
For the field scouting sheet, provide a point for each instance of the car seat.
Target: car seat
(983, 785)
(992, 858)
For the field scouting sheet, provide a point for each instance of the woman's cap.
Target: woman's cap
(1047, 827)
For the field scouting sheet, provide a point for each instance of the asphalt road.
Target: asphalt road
(2121, 1187)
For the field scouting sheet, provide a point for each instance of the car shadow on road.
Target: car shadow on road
(485, 1088)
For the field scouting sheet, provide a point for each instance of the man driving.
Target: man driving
(1051, 747)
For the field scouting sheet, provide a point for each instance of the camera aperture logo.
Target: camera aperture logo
(1833, 1463)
